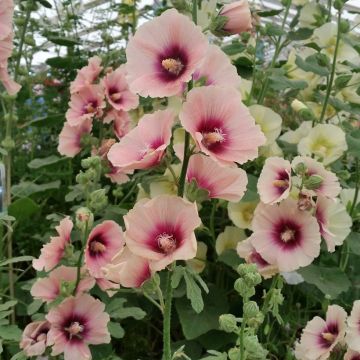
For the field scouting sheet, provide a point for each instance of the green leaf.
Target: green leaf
(353, 141)
(300, 34)
(27, 188)
(34, 307)
(60, 62)
(269, 13)
(116, 330)
(16, 260)
(8, 305)
(117, 310)
(1, 346)
(342, 80)
(273, 30)
(330, 281)
(176, 276)
(19, 356)
(354, 243)
(230, 258)
(314, 63)
(4, 314)
(10, 332)
(58, 40)
(193, 293)
(50, 160)
(45, 3)
(233, 48)
(23, 208)
(278, 82)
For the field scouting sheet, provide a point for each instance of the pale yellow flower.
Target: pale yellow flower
(167, 184)
(199, 262)
(308, 13)
(229, 239)
(271, 150)
(348, 93)
(294, 136)
(242, 213)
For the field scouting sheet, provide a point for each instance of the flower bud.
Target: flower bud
(313, 182)
(253, 279)
(251, 309)
(194, 193)
(228, 323)
(244, 269)
(244, 289)
(344, 26)
(84, 218)
(98, 200)
(234, 353)
(300, 169)
(8, 143)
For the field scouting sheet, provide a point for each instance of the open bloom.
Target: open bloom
(275, 180)
(76, 323)
(198, 264)
(145, 145)
(294, 136)
(85, 105)
(121, 122)
(229, 239)
(49, 288)
(104, 242)
(238, 17)
(52, 252)
(242, 213)
(70, 138)
(34, 338)
(163, 54)
(217, 69)
(127, 269)
(330, 186)
(285, 236)
(352, 355)
(87, 75)
(353, 330)
(334, 221)
(117, 91)
(221, 125)
(320, 336)
(228, 183)
(246, 250)
(162, 230)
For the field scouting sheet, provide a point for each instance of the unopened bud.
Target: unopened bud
(84, 218)
(313, 182)
(228, 323)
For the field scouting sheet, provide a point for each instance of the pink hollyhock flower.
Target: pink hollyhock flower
(320, 336)
(145, 145)
(334, 221)
(330, 186)
(87, 75)
(122, 122)
(118, 175)
(104, 242)
(49, 288)
(128, 269)
(107, 285)
(217, 69)
(228, 183)
(353, 330)
(163, 54)
(221, 125)
(162, 230)
(246, 250)
(238, 17)
(6, 18)
(285, 236)
(352, 355)
(52, 252)
(275, 180)
(70, 138)
(117, 91)
(34, 338)
(85, 105)
(76, 323)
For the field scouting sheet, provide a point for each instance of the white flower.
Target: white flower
(229, 239)
(271, 150)
(242, 213)
(349, 92)
(347, 197)
(208, 7)
(308, 14)
(199, 262)
(294, 136)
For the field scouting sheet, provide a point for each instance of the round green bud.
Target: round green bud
(313, 182)
(8, 143)
(251, 309)
(228, 323)
(253, 279)
(244, 289)
(344, 26)
(98, 200)
(234, 353)
(84, 218)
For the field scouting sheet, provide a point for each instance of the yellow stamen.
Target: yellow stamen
(97, 247)
(75, 329)
(173, 66)
(115, 96)
(328, 336)
(213, 137)
(90, 108)
(287, 235)
(281, 183)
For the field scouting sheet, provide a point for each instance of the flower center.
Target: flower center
(281, 183)
(90, 108)
(214, 137)
(166, 242)
(115, 97)
(287, 235)
(146, 150)
(97, 247)
(173, 66)
(328, 336)
(75, 329)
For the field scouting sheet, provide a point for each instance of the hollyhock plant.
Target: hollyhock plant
(229, 239)
(121, 122)
(76, 323)
(198, 264)
(162, 230)
(85, 105)
(118, 175)
(127, 269)
(285, 236)
(145, 145)
(34, 338)
(228, 183)
(104, 242)
(221, 125)
(70, 138)
(49, 288)
(353, 330)
(242, 213)
(117, 91)
(52, 252)
(334, 221)
(274, 183)
(320, 337)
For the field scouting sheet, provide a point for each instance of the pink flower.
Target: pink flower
(163, 55)
(334, 221)
(85, 105)
(246, 250)
(128, 269)
(145, 145)
(107, 285)
(238, 17)
(52, 252)
(221, 125)
(352, 355)
(76, 323)
(228, 183)
(330, 186)
(162, 230)
(104, 242)
(49, 288)
(319, 337)
(275, 180)
(285, 236)
(122, 122)
(117, 91)
(353, 330)
(118, 175)
(87, 75)
(217, 69)
(70, 138)
(34, 338)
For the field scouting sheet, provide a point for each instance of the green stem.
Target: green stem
(333, 68)
(212, 219)
(79, 263)
(241, 339)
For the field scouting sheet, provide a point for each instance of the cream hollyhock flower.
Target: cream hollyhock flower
(199, 262)
(269, 121)
(242, 213)
(245, 89)
(308, 14)
(317, 110)
(271, 150)
(300, 2)
(204, 14)
(294, 136)
(325, 141)
(353, 331)
(347, 197)
(229, 239)
(165, 185)
(349, 92)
